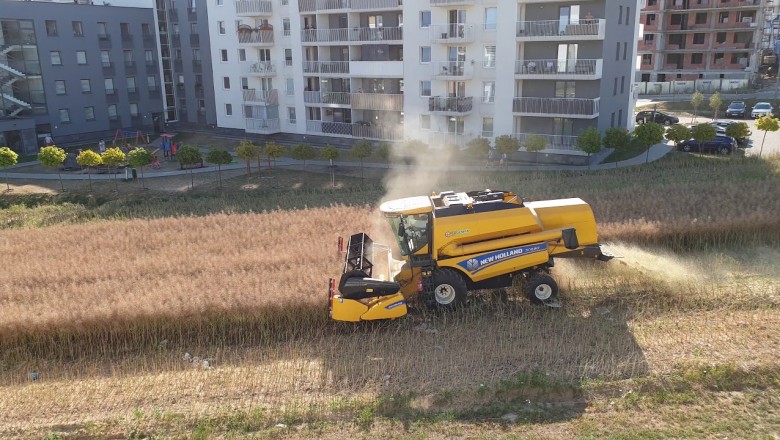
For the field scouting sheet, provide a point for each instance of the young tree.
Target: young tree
(739, 131)
(361, 151)
(88, 158)
(765, 124)
(678, 133)
(617, 139)
(189, 155)
(113, 157)
(53, 157)
(535, 144)
(273, 151)
(696, 101)
(506, 144)
(703, 133)
(8, 157)
(716, 102)
(478, 147)
(303, 152)
(647, 135)
(331, 153)
(140, 158)
(382, 152)
(219, 157)
(589, 141)
(247, 150)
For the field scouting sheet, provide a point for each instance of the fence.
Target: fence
(689, 87)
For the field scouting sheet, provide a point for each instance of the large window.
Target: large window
(425, 88)
(489, 57)
(81, 57)
(78, 29)
(131, 84)
(112, 114)
(228, 109)
(291, 115)
(565, 89)
(56, 60)
(491, 18)
(86, 86)
(89, 113)
(425, 19)
(59, 87)
(151, 83)
(425, 54)
(51, 28)
(64, 115)
(133, 110)
(488, 91)
(109, 84)
(487, 126)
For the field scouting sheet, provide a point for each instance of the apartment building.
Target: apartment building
(701, 39)
(76, 71)
(442, 71)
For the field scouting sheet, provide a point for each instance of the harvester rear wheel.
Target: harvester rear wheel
(449, 290)
(541, 289)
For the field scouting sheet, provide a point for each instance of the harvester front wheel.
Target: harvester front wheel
(449, 290)
(542, 289)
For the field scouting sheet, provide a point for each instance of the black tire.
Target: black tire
(725, 151)
(449, 290)
(541, 288)
(687, 148)
(667, 122)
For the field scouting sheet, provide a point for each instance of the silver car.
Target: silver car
(761, 109)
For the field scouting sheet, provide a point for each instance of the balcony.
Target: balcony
(353, 34)
(195, 40)
(377, 69)
(452, 33)
(356, 130)
(559, 69)
(327, 5)
(262, 126)
(253, 8)
(377, 101)
(256, 37)
(452, 2)
(192, 14)
(451, 70)
(176, 40)
(580, 108)
(325, 97)
(197, 66)
(456, 105)
(108, 68)
(556, 30)
(259, 68)
(265, 97)
(554, 141)
(326, 67)
(130, 67)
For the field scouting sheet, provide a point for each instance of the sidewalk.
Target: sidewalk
(656, 152)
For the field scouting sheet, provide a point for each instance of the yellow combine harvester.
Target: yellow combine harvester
(452, 243)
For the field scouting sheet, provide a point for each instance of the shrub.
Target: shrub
(53, 157)
(247, 150)
(303, 152)
(8, 157)
(219, 157)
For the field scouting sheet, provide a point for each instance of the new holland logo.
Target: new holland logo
(472, 264)
(484, 261)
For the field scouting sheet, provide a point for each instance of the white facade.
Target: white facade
(442, 71)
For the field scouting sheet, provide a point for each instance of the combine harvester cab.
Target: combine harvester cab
(453, 243)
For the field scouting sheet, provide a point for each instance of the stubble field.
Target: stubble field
(113, 308)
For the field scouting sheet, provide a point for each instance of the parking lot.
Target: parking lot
(771, 145)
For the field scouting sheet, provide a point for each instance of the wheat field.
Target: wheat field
(677, 331)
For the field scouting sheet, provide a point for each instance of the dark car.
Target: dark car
(736, 109)
(720, 145)
(722, 126)
(657, 117)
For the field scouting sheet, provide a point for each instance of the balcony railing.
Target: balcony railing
(358, 130)
(353, 34)
(554, 141)
(452, 33)
(446, 139)
(262, 68)
(262, 125)
(254, 7)
(450, 105)
(572, 107)
(451, 69)
(256, 36)
(268, 97)
(556, 29)
(557, 68)
(452, 2)
(377, 101)
(326, 66)
(323, 5)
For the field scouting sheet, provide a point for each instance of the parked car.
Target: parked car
(721, 144)
(721, 127)
(736, 109)
(762, 109)
(657, 117)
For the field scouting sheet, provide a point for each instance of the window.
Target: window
(620, 15)
(620, 118)
(146, 29)
(149, 57)
(221, 27)
(194, 28)
(697, 58)
(650, 19)
(64, 115)
(286, 27)
(628, 15)
(51, 29)
(425, 19)
(291, 115)
(78, 29)
(622, 85)
(425, 88)
(647, 58)
(676, 20)
(151, 83)
(487, 126)
(701, 18)
(109, 84)
(564, 89)
(491, 18)
(133, 110)
(196, 54)
(220, 2)
(488, 91)
(614, 87)
(649, 38)
(112, 115)
(625, 50)
(241, 54)
(612, 120)
(288, 57)
(698, 38)
(723, 17)
(489, 58)
(425, 54)
(81, 57)
(245, 84)
(720, 37)
(290, 86)
(375, 21)
(105, 58)
(59, 87)
(617, 52)
(425, 122)
(124, 29)
(86, 86)
(719, 58)
(224, 55)
(102, 30)
(89, 113)
(55, 58)
(181, 80)
(226, 83)
(228, 109)
(131, 84)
